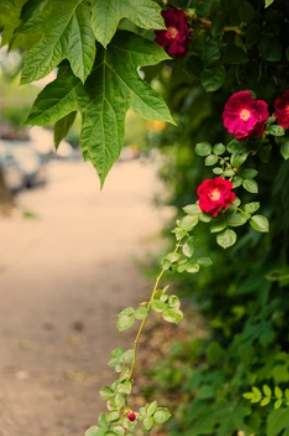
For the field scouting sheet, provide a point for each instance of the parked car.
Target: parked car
(28, 160)
(11, 171)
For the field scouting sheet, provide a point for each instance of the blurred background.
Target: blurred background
(70, 260)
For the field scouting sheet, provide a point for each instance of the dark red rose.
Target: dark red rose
(131, 416)
(244, 116)
(215, 195)
(282, 110)
(176, 38)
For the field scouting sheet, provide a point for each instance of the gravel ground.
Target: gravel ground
(64, 275)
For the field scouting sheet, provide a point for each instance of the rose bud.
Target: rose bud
(244, 116)
(131, 416)
(176, 38)
(282, 110)
(215, 195)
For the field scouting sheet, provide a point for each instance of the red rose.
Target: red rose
(244, 116)
(282, 110)
(215, 195)
(131, 416)
(176, 38)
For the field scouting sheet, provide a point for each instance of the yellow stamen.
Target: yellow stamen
(245, 114)
(215, 195)
(173, 31)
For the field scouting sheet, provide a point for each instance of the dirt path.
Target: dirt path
(63, 278)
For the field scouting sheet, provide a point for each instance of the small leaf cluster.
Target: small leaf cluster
(256, 396)
(127, 317)
(168, 306)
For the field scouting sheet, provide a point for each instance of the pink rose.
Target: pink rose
(244, 116)
(176, 38)
(215, 195)
(282, 110)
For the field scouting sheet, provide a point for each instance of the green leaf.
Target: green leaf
(284, 149)
(267, 390)
(148, 423)
(248, 173)
(151, 409)
(158, 306)
(270, 48)
(66, 34)
(92, 431)
(217, 171)
(161, 415)
(268, 3)
(257, 395)
(236, 220)
(106, 15)
(119, 400)
(115, 87)
(259, 223)
(57, 100)
(110, 433)
(211, 160)
(213, 78)
(174, 302)
(102, 420)
(205, 217)
(218, 24)
(227, 238)
(250, 186)
(173, 315)
(205, 261)
(62, 127)
(140, 313)
(106, 393)
(276, 130)
(252, 207)
(192, 268)
(188, 248)
(125, 387)
(189, 222)
(113, 416)
(203, 149)
(277, 421)
(124, 322)
(237, 181)
(219, 149)
(238, 158)
(192, 209)
(277, 404)
(265, 401)
(218, 225)
(278, 393)
(248, 395)
(127, 311)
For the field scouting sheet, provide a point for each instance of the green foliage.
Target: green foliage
(112, 88)
(106, 15)
(65, 34)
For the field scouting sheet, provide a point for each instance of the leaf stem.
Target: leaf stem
(136, 341)
(208, 23)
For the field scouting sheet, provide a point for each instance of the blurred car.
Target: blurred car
(11, 171)
(28, 160)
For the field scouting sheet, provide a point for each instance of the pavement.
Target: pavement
(65, 272)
